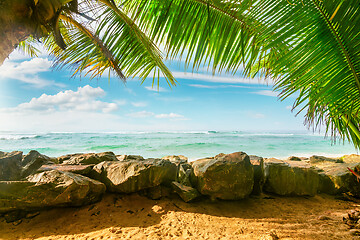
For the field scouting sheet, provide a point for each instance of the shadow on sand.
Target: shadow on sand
(116, 211)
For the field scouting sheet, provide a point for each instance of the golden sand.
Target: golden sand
(137, 217)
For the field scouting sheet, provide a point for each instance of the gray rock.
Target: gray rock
(318, 159)
(226, 176)
(10, 166)
(259, 174)
(91, 158)
(49, 189)
(186, 193)
(133, 176)
(290, 178)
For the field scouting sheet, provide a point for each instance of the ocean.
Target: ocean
(194, 145)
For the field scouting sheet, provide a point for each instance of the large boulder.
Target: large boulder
(78, 169)
(10, 166)
(226, 176)
(259, 174)
(91, 158)
(290, 178)
(32, 162)
(352, 158)
(336, 178)
(49, 189)
(133, 176)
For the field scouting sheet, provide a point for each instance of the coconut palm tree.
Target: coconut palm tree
(93, 37)
(309, 48)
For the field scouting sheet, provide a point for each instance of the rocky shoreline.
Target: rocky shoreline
(34, 181)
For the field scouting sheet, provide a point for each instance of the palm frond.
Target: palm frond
(206, 33)
(85, 51)
(136, 53)
(28, 47)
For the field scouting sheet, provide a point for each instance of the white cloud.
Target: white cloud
(27, 72)
(289, 107)
(201, 86)
(120, 102)
(146, 114)
(170, 115)
(216, 86)
(175, 99)
(142, 114)
(219, 79)
(155, 89)
(84, 100)
(267, 93)
(139, 104)
(257, 115)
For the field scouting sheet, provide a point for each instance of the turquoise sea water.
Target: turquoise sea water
(194, 145)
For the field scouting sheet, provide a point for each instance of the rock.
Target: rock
(293, 158)
(49, 189)
(176, 159)
(184, 173)
(353, 158)
(227, 177)
(259, 174)
(318, 159)
(78, 169)
(133, 176)
(336, 178)
(129, 157)
(185, 192)
(290, 178)
(10, 166)
(32, 162)
(32, 156)
(64, 158)
(91, 158)
(354, 232)
(255, 158)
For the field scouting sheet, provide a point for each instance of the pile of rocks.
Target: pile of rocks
(35, 181)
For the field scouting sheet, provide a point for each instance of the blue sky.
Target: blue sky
(36, 98)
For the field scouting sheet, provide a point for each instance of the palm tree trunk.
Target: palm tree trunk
(9, 39)
(15, 24)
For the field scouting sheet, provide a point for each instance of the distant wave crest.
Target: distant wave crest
(17, 137)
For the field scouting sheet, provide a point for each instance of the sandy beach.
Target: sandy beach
(137, 217)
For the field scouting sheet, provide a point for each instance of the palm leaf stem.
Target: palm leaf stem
(337, 37)
(96, 41)
(147, 43)
(352, 126)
